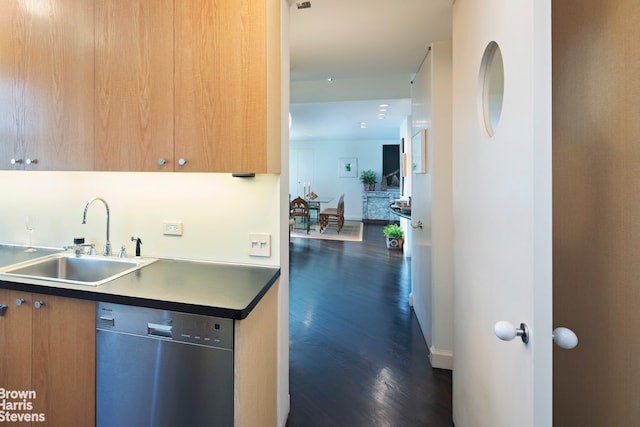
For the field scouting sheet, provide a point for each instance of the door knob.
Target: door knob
(31, 161)
(20, 301)
(565, 338)
(506, 331)
(15, 161)
(38, 304)
(416, 224)
(161, 161)
(182, 161)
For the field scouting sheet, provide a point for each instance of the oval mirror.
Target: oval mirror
(491, 87)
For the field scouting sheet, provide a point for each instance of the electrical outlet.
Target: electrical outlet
(259, 244)
(172, 228)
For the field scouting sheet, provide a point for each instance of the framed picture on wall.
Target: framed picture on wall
(348, 167)
(419, 152)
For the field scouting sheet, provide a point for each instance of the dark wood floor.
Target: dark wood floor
(357, 354)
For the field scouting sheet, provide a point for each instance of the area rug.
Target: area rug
(351, 232)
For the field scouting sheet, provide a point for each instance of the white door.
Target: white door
(301, 171)
(502, 216)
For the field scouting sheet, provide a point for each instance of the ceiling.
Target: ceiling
(370, 49)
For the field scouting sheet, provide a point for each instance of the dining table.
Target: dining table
(315, 204)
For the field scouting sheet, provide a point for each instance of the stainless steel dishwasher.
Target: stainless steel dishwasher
(157, 368)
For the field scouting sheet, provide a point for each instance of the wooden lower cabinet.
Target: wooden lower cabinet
(48, 354)
(256, 364)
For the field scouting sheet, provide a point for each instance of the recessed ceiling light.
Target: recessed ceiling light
(363, 125)
(383, 105)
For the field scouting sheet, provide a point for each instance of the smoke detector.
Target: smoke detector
(303, 4)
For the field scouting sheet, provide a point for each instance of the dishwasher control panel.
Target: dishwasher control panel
(163, 324)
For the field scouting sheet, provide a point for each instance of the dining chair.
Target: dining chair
(299, 208)
(333, 216)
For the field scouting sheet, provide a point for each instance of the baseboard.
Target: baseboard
(283, 421)
(441, 359)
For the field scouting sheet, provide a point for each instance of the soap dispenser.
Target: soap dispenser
(138, 244)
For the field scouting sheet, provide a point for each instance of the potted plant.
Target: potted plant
(368, 179)
(394, 235)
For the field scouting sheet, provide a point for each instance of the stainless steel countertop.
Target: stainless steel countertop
(208, 288)
(14, 254)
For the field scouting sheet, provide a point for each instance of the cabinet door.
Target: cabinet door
(134, 85)
(46, 66)
(64, 360)
(15, 341)
(220, 85)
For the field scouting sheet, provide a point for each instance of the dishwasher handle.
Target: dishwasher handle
(159, 330)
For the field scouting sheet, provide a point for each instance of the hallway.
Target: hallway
(357, 355)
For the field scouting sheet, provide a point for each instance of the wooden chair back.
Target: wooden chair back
(299, 208)
(333, 216)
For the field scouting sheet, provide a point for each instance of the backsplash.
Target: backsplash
(217, 210)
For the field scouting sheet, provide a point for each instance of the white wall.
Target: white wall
(318, 162)
(218, 211)
(442, 214)
(432, 247)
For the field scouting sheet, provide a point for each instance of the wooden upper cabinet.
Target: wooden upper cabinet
(221, 85)
(46, 66)
(141, 85)
(134, 85)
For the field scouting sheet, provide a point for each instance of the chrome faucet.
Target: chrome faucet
(107, 245)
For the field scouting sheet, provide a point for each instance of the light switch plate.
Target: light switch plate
(259, 244)
(172, 228)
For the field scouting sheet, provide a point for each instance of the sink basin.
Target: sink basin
(84, 270)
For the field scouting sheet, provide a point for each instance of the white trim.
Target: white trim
(283, 422)
(441, 359)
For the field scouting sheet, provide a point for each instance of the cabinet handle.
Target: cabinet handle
(161, 161)
(15, 161)
(38, 304)
(181, 161)
(30, 161)
(20, 301)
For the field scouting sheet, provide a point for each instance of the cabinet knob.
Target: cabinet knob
(181, 161)
(161, 161)
(38, 304)
(20, 301)
(30, 161)
(16, 161)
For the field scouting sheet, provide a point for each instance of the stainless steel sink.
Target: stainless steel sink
(90, 270)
